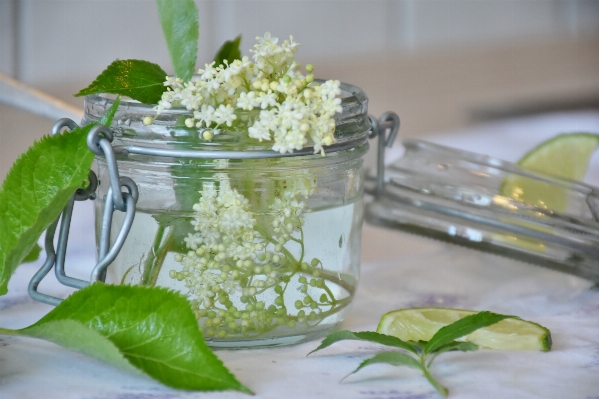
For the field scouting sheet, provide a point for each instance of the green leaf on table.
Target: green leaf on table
(151, 329)
(369, 336)
(37, 188)
(392, 358)
(181, 31)
(140, 80)
(462, 327)
(228, 51)
(76, 336)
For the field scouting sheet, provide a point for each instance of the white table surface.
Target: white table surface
(399, 271)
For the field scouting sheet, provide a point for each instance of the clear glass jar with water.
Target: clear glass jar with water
(266, 250)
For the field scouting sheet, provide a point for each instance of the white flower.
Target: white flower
(294, 109)
(247, 101)
(259, 131)
(266, 99)
(267, 40)
(224, 115)
(193, 241)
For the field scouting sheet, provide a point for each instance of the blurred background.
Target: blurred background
(440, 64)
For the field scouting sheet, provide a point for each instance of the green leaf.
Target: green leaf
(392, 358)
(453, 346)
(462, 327)
(140, 80)
(228, 51)
(76, 336)
(419, 345)
(181, 31)
(33, 255)
(151, 329)
(36, 189)
(364, 336)
(106, 119)
(457, 346)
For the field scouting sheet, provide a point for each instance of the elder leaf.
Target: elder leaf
(462, 327)
(452, 346)
(364, 336)
(33, 255)
(77, 337)
(392, 358)
(181, 30)
(140, 80)
(148, 328)
(228, 51)
(37, 188)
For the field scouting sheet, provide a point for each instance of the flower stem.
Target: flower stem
(330, 294)
(270, 238)
(442, 390)
(157, 255)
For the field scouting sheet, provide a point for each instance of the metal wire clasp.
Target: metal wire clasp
(389, 121)
(98, 140)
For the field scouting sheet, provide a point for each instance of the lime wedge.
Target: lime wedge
(566, 155)
(420, 324)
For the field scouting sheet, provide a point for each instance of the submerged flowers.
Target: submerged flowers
(291, 108)
(237, 270)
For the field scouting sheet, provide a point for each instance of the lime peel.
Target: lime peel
(565, 156)
(420, 324)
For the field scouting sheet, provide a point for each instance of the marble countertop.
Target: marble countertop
(398, 270)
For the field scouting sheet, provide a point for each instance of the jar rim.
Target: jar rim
(168, 131)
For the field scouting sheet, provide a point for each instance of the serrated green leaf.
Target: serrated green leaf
(33, 255)
(228, 51)
(453, 346)
(152, 329)
(140, 80)
(181, 226)
(369, 336)
(37, 188)
(76, 336)
(462, 327)
(392, 358)
(419, 345)
(457, 346)
(181, 31)
(106, 119)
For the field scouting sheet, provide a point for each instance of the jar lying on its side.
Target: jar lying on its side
(266, 250)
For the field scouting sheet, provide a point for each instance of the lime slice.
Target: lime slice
(420, 324)
(566, 155)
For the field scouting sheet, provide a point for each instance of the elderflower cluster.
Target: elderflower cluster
(223, 222)
(223, 244)
(288, 213)
(289, 108)
(236, 276)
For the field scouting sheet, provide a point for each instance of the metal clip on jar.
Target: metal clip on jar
(265, 246)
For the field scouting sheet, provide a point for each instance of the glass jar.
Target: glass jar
(266, 250)
(491, 205)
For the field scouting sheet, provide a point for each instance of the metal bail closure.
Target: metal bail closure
(389, 121)
(98, 140)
